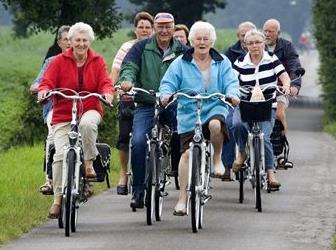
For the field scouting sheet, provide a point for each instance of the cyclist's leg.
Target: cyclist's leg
(266, 128)
(180, 208)
(125, 128)
(47, 187)
(217, 137)
(282, 104)
(88, 126)
(228, 152)
(240, 133)
(61, 140)
(142, 124)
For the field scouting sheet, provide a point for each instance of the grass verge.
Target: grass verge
(21, 205)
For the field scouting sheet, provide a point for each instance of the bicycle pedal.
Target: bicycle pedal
(163, 194)
(205, 199)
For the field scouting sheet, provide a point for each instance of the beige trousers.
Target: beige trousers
(88, 127)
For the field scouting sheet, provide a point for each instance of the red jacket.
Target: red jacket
(63, 73)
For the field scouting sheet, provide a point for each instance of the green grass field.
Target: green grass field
(21, 205)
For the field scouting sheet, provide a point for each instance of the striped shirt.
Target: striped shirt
(122, 52)
(266, 72)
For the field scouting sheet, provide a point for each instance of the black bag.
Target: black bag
(280, 146)
(102, 163)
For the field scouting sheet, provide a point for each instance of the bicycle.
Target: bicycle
(200, 162)
(73, 176)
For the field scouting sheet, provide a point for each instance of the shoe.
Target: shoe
(122, 190)
(137, 200)
(47, 188)
(54, 211)
(227, 174)
(273, 183)
(90, 173)
(239, 161)
(180, 209)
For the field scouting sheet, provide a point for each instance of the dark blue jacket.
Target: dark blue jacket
(234, 52)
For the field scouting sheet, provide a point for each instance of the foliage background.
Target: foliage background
(325, 34)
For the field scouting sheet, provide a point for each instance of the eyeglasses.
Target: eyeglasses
(251, 43)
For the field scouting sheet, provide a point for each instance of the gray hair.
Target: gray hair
(201, 25)
(254, 32)
(273, 22)
(83, 28)
(246, 24)
(61, 30)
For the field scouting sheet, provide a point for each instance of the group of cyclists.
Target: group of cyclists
(166, 58)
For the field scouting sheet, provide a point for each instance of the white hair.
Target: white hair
(200, 25)
(254, 32)
(83, 28)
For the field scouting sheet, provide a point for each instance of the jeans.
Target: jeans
(143, 122)
(240, 133)
(228, 152)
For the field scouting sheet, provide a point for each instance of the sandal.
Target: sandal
(54, 211)
(47, 188)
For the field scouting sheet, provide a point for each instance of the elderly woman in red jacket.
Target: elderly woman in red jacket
(81, 69)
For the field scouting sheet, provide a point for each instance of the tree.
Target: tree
(31, 16)
(185, 11)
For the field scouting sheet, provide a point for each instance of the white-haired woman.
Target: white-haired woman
(79, 69)
(265, 67)
(203, 70)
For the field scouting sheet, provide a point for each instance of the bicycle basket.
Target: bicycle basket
(256, 111)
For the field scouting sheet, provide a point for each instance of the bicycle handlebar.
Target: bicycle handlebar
(225, 99)
(76, 96)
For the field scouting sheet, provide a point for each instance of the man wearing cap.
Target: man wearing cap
(144, 66)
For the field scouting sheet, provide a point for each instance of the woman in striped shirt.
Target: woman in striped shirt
(258, 67)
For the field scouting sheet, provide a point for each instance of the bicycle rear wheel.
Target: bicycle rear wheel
(150, 185)
(257, 157)
(195, 197)
(71, 158)
(159, 192)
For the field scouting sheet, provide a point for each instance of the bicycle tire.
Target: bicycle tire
(195, 201)
(150, 193)
(256, 146)
(241, 185)
(159, 192)
(77, 199)
(71, 157)
(61, 217)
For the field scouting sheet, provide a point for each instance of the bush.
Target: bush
(325, 33)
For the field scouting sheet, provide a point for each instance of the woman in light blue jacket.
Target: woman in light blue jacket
(200, 70)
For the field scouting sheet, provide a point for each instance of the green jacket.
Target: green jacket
(144, 66)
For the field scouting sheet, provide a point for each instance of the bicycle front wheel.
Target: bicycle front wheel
(257, 157)
(195, 196)
(241, 184)
(150, 185)
(71, 159)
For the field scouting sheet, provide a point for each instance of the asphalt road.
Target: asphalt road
(301, 215)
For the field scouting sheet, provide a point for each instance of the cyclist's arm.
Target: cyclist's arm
(171, 81)
(34, 86)
(293, 63)
(231, 83)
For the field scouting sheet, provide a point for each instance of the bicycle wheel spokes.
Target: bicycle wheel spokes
(257, 157)
(195, 196)
(68, 193)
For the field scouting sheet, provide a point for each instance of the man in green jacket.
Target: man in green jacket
(144, 66)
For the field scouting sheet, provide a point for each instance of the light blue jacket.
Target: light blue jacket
(48, 105)
(184, 75)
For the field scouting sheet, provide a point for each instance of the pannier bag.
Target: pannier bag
(102, 163)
